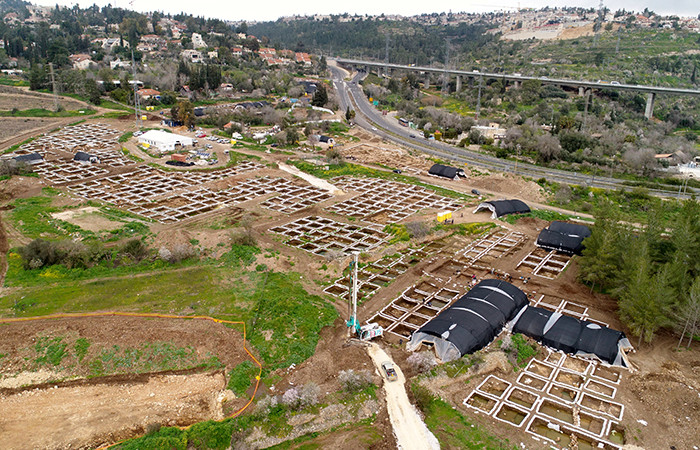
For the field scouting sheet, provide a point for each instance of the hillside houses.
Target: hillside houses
(80, 61)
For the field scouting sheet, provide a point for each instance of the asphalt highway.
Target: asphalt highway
(366, 116)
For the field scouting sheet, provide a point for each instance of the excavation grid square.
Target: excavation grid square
(555, 399)
(374, 276)
(386, 201)
(320, 235)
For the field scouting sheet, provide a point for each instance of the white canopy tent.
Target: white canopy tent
(164, 141)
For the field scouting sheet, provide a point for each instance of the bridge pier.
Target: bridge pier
(581, 91)
(517, 84)
(587, 99)
(649, 110)
(426, 83)
(458, 86)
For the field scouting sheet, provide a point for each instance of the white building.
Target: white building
(164, 141)
(197, 41)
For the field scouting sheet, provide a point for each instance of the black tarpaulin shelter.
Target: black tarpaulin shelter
(445, 171)
(500, 208)
(572, 335)
(570, 229)
(472, 321)
(563, 237)
(29, 158)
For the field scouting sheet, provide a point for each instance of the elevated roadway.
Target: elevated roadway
(584, 87)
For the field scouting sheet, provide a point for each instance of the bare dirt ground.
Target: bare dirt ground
(410, 430)
(110, 408)
(87, 219)
(18, 129)
(17, 339)
(107, 411)
(22, 98)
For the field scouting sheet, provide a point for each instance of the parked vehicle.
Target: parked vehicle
(389, 371)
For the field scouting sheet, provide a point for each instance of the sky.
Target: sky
(273, 9)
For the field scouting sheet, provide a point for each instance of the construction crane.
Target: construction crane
(366, 332)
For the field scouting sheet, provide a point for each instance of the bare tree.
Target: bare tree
(548, 147)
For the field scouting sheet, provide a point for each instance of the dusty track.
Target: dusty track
(410, 430)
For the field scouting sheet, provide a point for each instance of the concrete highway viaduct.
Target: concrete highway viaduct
(585, 88)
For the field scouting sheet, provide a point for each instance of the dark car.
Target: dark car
(396, 170)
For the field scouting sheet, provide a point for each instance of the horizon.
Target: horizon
(277, 9)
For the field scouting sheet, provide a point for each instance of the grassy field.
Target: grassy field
(40, 112)
(225, 288)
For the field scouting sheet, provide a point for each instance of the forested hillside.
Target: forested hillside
(409, 42)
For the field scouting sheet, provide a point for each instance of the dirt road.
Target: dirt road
(409, 429)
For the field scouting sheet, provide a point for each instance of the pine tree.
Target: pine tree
(320, 97)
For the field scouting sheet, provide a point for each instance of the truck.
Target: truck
(389, 371)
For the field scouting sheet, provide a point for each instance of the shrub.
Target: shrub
(417, 229)
(302, 397)
(136, 249)
(352, 381)
(265, 404)
(422, 361)
(38, 253)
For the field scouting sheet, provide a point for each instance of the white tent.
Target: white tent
(164, 141)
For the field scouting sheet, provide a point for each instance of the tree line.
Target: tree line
(651, 269)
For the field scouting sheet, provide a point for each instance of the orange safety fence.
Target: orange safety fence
(157, 316)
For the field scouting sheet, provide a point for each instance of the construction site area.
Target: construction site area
(339, 239)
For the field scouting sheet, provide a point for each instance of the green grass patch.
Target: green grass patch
(241, 377)
(81, 348)
(113, 105)
(465, 229)
(523, 350)
(40, 112)
(125, 137)
(543, 214)
(50, 351)
(150, 357)
(131, 156)
(9, 81)
(115, 114)
(16, 146)
(398, 231)
(362, 171)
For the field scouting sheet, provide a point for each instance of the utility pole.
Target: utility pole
(53, 85)
(137, 103)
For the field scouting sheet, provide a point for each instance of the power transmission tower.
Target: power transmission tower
(445, 77)
(53, 85)
(137, 102)
(617, 46)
